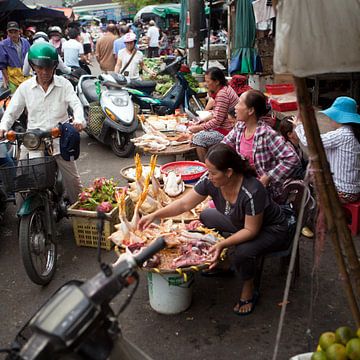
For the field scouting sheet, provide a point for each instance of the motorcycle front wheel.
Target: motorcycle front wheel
(38, 252)
(121, 144)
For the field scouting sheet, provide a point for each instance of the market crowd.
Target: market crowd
(111, 44)
(248, 161)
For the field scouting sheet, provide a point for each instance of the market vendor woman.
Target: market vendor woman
(213, 128)
(242, 208)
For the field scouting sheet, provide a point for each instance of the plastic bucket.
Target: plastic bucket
(170, 293)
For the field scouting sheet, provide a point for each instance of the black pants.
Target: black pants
(271, 238)
(153, 52)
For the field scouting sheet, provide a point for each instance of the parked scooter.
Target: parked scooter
(74, 76)
(180, 95)
(77, 322)
(114, 122)
(39, 183)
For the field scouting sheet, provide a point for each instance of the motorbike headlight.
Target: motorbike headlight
(120, 100)
(31, 141)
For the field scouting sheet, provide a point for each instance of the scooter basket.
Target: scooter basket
(30, 174)
(96, 118)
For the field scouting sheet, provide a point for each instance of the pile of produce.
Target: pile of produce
(164, 81)
(342, 344)
(153, 64)
(100, 195)
(193, 83)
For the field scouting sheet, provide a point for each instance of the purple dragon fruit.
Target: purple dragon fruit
(105, 207)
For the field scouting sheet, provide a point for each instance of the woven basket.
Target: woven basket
(96, 118)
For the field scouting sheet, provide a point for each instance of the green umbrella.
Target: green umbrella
(244, 54)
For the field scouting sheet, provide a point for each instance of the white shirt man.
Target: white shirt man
(153, 35)
(73, 49)
(45, 111)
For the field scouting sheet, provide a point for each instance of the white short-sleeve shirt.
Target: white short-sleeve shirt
(153, 34)
(134, 66)
(72, 50)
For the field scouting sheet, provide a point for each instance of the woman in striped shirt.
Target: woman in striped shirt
(213, 128)
(342, 147)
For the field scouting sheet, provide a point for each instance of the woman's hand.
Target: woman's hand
(216, 252)
(145, 221)
(296, 120)
(195, 128)
(265, 180)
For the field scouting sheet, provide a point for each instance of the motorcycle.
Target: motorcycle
(77, 322)
(110, 120)
(8, 154)
(37, 179)
(74, 76)
(180, 95)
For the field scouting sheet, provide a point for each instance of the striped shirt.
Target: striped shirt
(342, 151)
(226, 98)
(272, 155)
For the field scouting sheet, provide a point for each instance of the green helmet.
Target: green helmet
(43, 55)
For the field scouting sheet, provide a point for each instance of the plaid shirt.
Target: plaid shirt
(271, 154)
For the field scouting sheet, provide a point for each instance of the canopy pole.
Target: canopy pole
(208, 34)
(229, 34)
(335, 219)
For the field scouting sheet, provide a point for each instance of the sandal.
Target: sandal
(252, 301)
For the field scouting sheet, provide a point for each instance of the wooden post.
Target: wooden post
(193, 35)
(335, 219)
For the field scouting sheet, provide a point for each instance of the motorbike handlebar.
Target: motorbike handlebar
(102, 288)
(97, 291)
(150, 251)
(174, 63)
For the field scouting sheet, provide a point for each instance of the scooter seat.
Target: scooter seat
(147, 86)
(89, 90)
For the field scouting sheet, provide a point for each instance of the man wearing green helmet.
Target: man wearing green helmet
(47, 97)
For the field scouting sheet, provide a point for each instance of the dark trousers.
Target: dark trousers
(153, 52)
(271, 238)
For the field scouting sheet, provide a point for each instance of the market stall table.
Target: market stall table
(174, 151)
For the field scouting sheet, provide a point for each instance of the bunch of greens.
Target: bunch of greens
(193, 83)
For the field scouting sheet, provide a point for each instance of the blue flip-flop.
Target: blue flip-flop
(252, 301)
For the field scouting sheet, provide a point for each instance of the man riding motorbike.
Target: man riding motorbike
(47, 98)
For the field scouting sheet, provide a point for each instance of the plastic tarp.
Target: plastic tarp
(159, 10)
(317, 37)
(163, 11)
(244, 57)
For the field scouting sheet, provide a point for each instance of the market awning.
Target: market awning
(164, 10)
(39, 13)
(330, 42)
(68, 12)
(11, 5)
